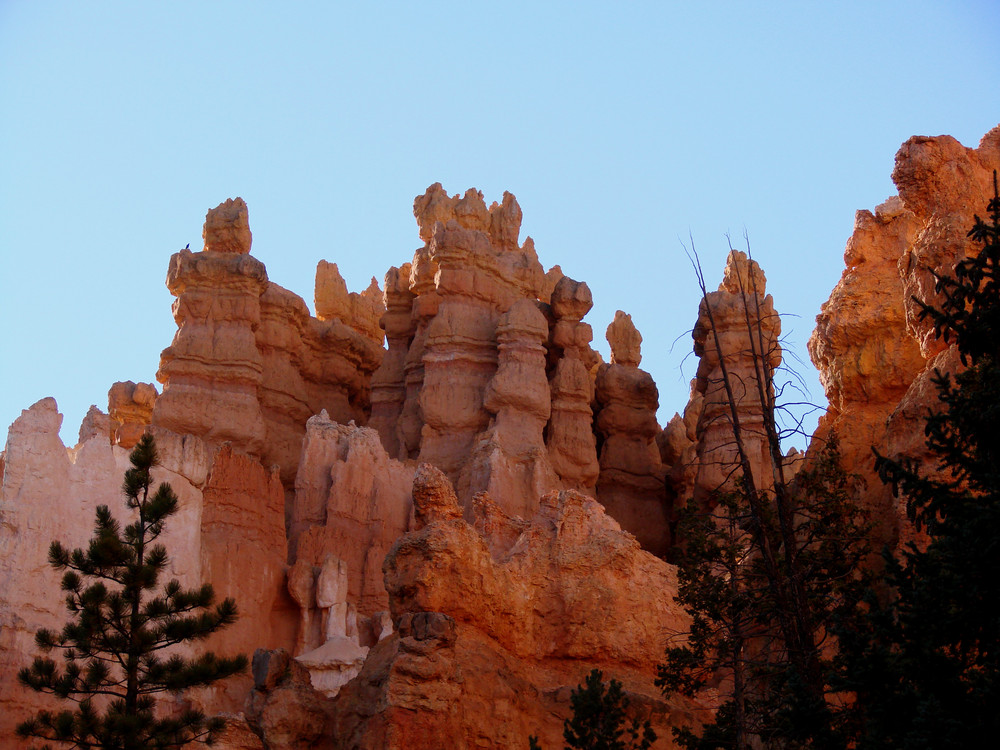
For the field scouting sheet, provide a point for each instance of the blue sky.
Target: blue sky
(623, 130)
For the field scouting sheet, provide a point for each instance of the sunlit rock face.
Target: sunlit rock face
(249, 364)
(494, 620)
(736, 340)
(875, 357)
(490, 376)
(863, 352)
(130, 410)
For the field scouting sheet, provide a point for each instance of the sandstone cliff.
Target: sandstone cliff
(499, 617)
(875, 357)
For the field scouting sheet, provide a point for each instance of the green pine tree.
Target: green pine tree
(600, 719)
(925, 661)
(115, 656)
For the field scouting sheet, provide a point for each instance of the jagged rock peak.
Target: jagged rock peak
(227, 228)
(361, 311)
(501, 221)
(625, 340)
(742, 274)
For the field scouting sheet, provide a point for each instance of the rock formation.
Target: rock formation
(338, 657)
(510, 459)
(737, 331)
(492, 620)
(248, 364)
(389, 381)
(632, 484)
(480, 271)
(284, 707)
(212, 371)
(865, 357)
(571, 442)
(130, 411)
(351, 501)
(412, 527)
(50, 493)
(875, 356)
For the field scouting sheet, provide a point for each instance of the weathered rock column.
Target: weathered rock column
(461, 355)
(510, 459)
(570, 439)
(211, 372)
(389, 380)
(130, 409)
(747, 351)
(631, 484)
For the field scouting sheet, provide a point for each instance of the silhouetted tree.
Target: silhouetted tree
(764, 569)
(114, 646)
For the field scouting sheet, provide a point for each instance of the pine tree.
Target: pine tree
(925, 662)
(600, 719)
(120, 647)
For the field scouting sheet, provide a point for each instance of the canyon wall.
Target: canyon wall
(435, 504)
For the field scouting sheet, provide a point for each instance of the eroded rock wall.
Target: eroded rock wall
(497, 620)
(875, 357)
(49, 493)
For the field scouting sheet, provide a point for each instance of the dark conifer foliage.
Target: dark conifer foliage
(114, 648)
(600, 719)
(925, 662)
(735, 634)
(766, 568)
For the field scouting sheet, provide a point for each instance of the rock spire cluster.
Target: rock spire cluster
(435, 504)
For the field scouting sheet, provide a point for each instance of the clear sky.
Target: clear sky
(622, 128)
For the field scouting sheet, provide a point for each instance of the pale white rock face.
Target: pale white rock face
(351, 502)
(338, 659)
(50, 493)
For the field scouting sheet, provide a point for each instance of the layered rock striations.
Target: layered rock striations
(293, 442)
(248, 364)
(570, 436)
(632, 483)
(480, 271)
(212, 371)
